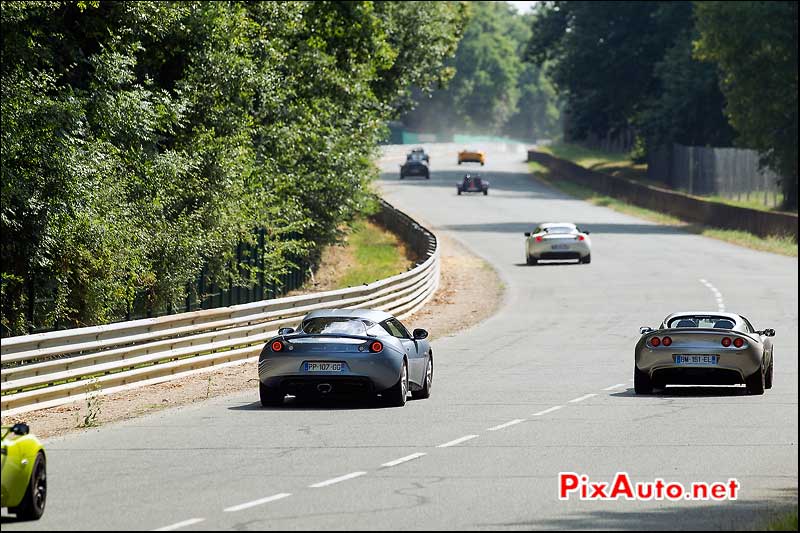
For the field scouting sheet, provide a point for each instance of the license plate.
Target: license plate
(559, 247)
(702, 360)
(323, 367)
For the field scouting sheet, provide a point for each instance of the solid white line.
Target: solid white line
(556, 408)
(257, 502)
(179, 525)
(457, 441)
(507, 424)
(576, 400)
(404, 459)
(617, 386)
(336, 480)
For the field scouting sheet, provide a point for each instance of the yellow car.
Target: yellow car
(24, 473)
(471, 156)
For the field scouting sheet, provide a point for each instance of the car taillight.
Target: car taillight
(539, 238)
(277, 346)
(581, 237)
(655, 341)
(738, 342)
(726, 341)
(666, 341)
(376, 347)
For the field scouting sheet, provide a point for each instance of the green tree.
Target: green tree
(755, 46)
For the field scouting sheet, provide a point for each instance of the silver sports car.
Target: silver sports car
(345, 351)
(705, 348)
(557, 240)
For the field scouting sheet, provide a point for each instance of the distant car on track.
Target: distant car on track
(704, 348)
(415, 166)
(472, 183)
(557, 240)
(346, 351)
(471, 156)
(24, 473)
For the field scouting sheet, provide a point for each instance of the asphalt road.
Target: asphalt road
(542, 387)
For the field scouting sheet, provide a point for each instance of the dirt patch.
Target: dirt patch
(470, 291)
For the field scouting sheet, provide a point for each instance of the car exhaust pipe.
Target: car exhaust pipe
(324, 388)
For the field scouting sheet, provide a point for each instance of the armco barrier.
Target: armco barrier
(47, 369)
(684, 206)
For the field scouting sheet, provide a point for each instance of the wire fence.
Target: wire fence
(732, 173)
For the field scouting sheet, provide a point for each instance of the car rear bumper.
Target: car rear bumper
(732, 367)
(576, 250)
(379, 371)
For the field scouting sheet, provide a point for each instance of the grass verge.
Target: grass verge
(787, 522)
(778, 245)
(621, 166)
(377, 254)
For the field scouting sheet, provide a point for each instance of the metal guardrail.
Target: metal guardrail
(47, 369)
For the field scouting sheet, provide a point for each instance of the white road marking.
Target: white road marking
(556, 408)
(617, 386)
(257, 502)
(457, 441)
(507, 424)
(717, 295)
(337, 480)
(179, 525)
(404, 459)
(586, 397)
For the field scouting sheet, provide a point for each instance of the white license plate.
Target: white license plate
(559, 247)
(702, 360)
(323, 367)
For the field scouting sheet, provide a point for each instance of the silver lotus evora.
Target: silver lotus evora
(557, 240)
(704, 348)
(345, 351)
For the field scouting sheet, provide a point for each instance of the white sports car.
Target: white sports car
(557, 240)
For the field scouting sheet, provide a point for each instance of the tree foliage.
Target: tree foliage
(755, 46)
(493, 90)
(141, 141)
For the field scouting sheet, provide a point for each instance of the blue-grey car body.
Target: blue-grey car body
(287, 370)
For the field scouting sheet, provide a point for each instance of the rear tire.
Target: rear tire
(459, 192)
(642, 384)
(396, 395)
(586, 260)
(755, 383)
(486, 192)
(35, 498)
(401, 176)
(530, 260)
(428, 176)
(270, 397)
(425, 391)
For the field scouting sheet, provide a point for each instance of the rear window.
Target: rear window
(701, 321)
(559, 229)
(346, 326)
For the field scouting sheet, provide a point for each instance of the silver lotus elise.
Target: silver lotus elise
(557, 240)
(346, 351)
(705, 348)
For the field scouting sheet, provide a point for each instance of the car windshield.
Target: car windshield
(559, 229)
(701, 321)
(343, 325)
(415, 156)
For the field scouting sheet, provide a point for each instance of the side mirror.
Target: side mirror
(285, 331)
(645, 329)
(420, 334)
(587, 232)
(527, 233)
(768, 332)
(20, 429)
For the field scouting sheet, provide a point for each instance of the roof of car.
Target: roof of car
(367, 314)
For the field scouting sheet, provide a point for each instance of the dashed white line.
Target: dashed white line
(337, 480)
(585, 397)
(507, 424)
(717, 295)
(617, 386)
(179, 525)
(457, 441)
(257, 502)
(556, 408)
(404, 459)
